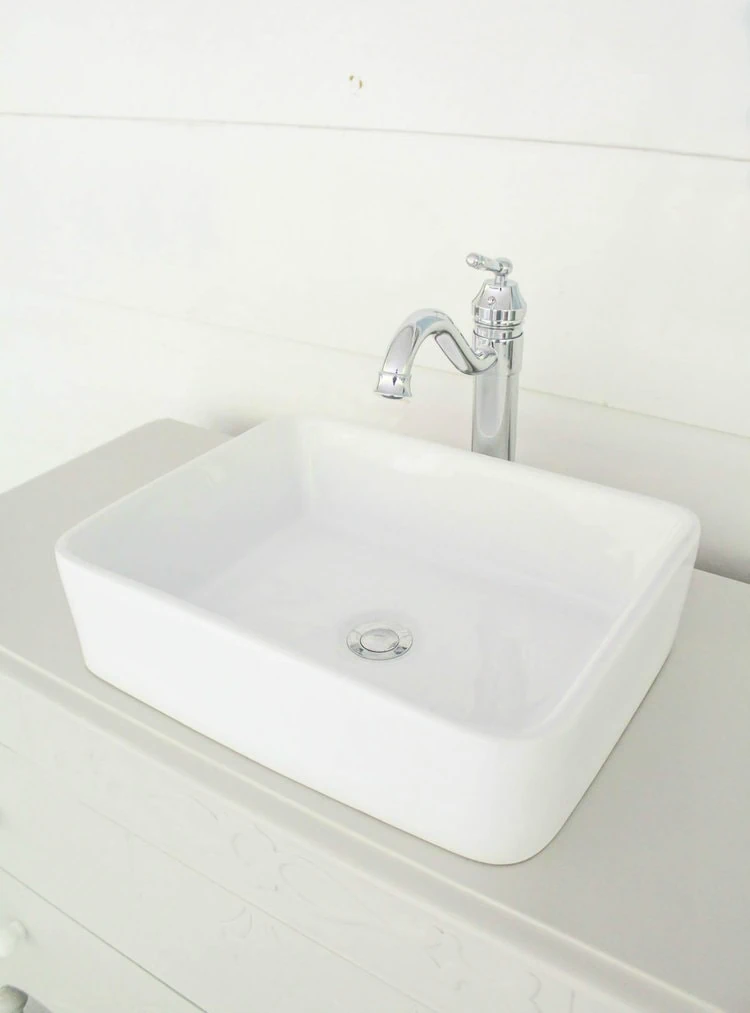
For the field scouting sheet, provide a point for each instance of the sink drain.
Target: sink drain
(379, 641)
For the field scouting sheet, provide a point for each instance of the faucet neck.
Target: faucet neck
(395, 376)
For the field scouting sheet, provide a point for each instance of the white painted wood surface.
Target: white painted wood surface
(220, 225)
(379, 899)
(226, 955)
(68, 969)
(218, 949)
(167, 166)
(643, 73)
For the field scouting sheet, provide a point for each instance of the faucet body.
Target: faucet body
(495, 415)
(493, 358)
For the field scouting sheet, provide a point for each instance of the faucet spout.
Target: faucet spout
(395, 376)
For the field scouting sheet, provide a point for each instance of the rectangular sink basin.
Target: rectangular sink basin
(450, 643)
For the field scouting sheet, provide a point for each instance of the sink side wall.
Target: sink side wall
(324, 731)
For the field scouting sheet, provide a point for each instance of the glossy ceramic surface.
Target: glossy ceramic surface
(541, 609)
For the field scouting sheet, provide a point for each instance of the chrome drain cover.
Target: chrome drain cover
(379, 641)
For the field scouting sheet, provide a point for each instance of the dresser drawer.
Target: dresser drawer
(207, 944)
(67, 969)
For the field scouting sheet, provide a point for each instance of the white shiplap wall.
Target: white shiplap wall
(203, 214)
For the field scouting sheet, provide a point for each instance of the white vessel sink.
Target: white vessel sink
(539, 610)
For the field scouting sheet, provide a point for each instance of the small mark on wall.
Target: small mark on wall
(355, 84)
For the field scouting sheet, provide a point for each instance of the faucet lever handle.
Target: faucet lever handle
(498, 265)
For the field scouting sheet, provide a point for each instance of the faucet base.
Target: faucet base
(496, 397)
(495, 407)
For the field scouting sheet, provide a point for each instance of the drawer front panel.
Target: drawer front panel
(67, 969)
(489, 960)
(207, 944)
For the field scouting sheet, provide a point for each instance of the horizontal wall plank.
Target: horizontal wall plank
(644, 73)
(634, 265)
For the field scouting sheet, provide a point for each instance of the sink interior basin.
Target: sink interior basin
(536, 610)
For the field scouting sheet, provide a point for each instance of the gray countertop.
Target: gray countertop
(652, 870)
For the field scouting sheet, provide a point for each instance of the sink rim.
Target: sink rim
(565, 706)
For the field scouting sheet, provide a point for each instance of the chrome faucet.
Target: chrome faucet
(493, 359)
